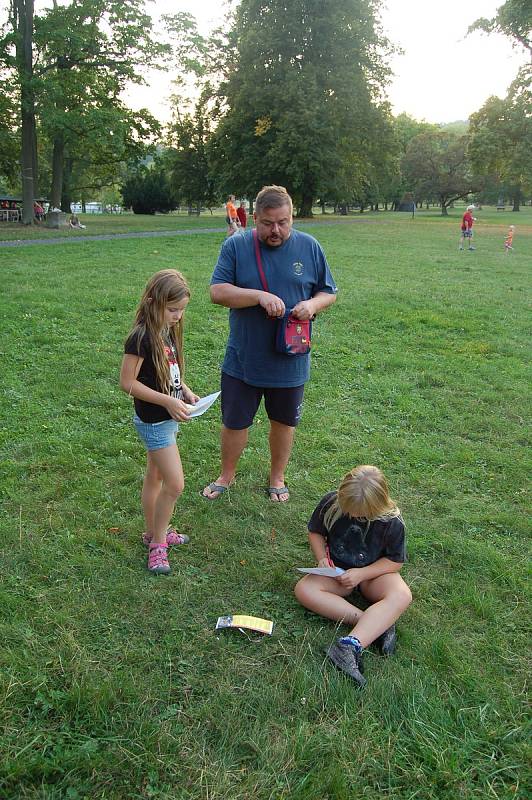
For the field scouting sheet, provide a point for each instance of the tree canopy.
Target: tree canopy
(303, 96)
(290, 93)
(436, 166)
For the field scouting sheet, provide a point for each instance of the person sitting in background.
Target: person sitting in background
(38, 211)
(75, 223)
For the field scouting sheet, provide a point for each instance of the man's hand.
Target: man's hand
(273, 305)
(304, 310)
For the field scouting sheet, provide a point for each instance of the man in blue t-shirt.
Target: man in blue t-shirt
(298, 279)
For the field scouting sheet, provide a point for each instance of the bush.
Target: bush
(148, 191)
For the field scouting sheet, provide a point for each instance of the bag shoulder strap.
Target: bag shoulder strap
(258, 258)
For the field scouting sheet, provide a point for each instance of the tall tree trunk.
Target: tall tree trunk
(444, 211)
(23, 26)
(308, 194)
(305, 208)
(66, 191)
(517, 199)
(58, 155)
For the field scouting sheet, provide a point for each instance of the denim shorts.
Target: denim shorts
(156, 435)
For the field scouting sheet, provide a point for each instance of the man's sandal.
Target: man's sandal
(273, 491)
(173, 537)
(214, 487)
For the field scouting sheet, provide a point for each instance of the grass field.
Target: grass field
(114, 684)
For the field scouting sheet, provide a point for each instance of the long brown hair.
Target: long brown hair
(164, 288)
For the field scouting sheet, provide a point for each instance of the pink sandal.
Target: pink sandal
(158, 559)
(173, 537)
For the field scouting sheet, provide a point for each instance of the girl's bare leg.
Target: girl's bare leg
(325, 597)
(164, 467)
(390, 597)
(150, 492)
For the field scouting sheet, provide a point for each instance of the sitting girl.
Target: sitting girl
(358, 528)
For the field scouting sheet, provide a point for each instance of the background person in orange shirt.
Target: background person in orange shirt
(231, 215)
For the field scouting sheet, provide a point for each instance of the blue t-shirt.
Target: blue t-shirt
(295, 271)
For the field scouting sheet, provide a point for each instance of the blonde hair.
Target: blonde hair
(363, 494)
(164, 288)
(272, 197)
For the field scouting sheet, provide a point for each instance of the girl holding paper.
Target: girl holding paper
(151, 374)
(358, 528)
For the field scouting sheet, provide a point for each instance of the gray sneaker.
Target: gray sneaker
(347, 659)
(387, 641)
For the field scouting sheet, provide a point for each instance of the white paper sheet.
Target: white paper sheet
(329, 572)
(203, 404)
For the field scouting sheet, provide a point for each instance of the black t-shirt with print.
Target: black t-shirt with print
(150, 412)
(354, 543)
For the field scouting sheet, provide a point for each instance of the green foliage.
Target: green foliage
(85, 54)
(115, 686)
(436, 166)
(302, 92)
(501, 139)
(149, 190)
(187, 159)
(9, 138)
(513, 19)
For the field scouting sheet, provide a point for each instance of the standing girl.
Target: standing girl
(151, 373)
(358, 528)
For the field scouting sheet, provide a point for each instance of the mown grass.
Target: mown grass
(104, 224)
(117, 224)
(115, 685)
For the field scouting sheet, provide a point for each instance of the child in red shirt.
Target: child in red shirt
(467, 228)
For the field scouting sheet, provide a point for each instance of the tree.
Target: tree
(149, 190)
(501, 130)
(20, 39)
(88, 51)
(9, 137)
(513, 19)
(187, 159)
(436, 165)
(84, 53)
(302, 89)
(501, 139)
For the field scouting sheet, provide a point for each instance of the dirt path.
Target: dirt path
(156, 234)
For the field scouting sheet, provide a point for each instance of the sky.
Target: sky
(442, 76)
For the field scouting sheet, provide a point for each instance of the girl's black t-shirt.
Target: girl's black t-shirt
(150, 412)
(354, 542)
